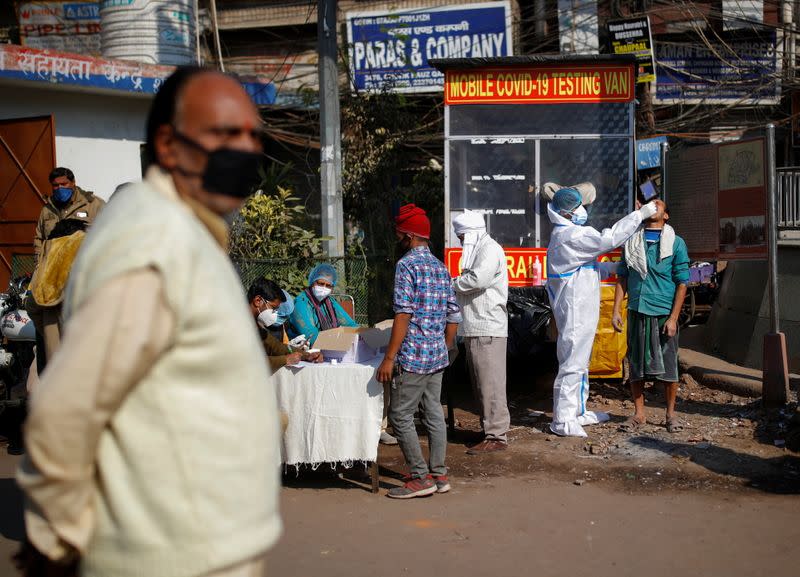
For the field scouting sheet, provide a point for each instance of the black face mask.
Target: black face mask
(228, 171)
(403, 246)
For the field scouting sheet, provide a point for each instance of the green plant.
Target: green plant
(266, 229)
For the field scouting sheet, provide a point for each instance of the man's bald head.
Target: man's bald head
(162, 111)
(208, 88)
(196, 112)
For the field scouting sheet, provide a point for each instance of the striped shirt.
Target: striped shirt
(422, 288)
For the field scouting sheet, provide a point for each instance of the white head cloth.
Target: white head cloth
(472, 226)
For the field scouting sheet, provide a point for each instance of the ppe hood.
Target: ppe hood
(556, 218)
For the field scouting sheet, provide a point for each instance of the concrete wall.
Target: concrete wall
(740, 317)
(97, 136)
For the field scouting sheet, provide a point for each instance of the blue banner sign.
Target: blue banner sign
(59, 68)
(390, 51)
(648, 152)
(738, 69)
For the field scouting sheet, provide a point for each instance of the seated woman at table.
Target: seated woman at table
(314, 309)
(266, 298)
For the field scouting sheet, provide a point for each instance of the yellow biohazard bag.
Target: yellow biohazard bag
(610, 346)
(50, 277)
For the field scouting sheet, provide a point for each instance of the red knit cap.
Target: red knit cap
(413, 220)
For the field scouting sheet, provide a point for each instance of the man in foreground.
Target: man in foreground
(573, 285)
(482, 291)
(654, 271)
(425, 323)
(153, 437)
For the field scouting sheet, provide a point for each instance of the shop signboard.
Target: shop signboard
(391, 50)
(718, 201)
(648, 152)
(740, 69)
(742, 199)
(63, 26)
(59, 68)
(552, 85)
(526, 266)
(633, 36)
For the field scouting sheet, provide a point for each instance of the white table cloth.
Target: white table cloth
(334, 411)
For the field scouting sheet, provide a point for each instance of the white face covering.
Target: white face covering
(580, 216)
(267, 318)
(320, 292)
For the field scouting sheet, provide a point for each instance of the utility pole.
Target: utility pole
(213, 7)
(330, 129)
(775, 372)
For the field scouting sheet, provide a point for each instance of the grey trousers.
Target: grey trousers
(486, 361)
(409, 391)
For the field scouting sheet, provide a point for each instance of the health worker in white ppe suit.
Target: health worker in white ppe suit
(573, 285)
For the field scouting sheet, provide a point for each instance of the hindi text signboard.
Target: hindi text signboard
(60, 68)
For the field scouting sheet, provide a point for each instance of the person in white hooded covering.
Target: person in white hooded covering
(573, 285)
(482, 292)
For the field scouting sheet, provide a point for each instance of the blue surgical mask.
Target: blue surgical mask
(580, 216)
(61, 195)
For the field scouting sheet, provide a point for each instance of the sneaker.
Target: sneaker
(487, 446)
(387, 439)
(413, 488)
(442, 483)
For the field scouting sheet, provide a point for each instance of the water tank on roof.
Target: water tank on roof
(149, 31)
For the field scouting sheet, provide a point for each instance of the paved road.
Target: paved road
(524, 525)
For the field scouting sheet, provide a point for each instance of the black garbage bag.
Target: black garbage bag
(528, 316)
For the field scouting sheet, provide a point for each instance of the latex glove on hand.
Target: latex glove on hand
(648, 210)
(299, 343)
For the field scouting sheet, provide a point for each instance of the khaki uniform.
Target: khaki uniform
(276, 350)
(84, 206)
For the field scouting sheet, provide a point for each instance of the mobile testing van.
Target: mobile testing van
(513, 124)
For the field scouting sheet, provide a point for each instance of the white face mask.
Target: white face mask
(267, 318)
(320, 292)
(580, 216)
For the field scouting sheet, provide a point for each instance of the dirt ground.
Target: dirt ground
(718, 499)
(534, 525)
(728, 441)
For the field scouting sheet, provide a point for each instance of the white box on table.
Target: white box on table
(349, 344)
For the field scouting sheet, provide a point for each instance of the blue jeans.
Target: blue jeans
(409, 391)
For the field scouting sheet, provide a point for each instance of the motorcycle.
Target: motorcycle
(16, 356)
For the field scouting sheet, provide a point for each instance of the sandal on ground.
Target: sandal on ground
(673, 425)
(631, 425)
